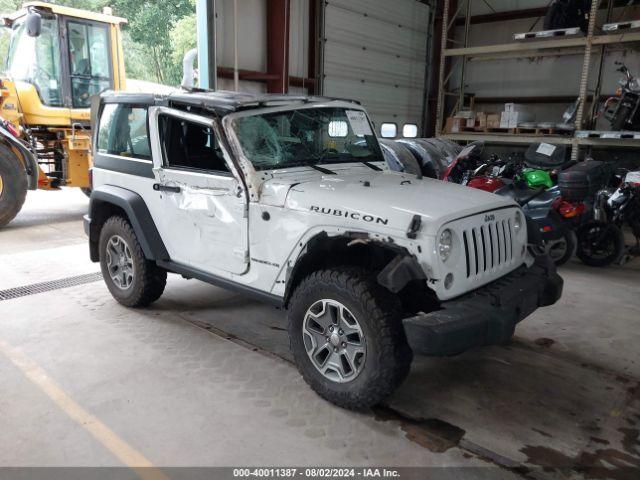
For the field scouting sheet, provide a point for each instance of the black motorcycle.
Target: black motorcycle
(623, 110)
(567, 14)
(601, 241)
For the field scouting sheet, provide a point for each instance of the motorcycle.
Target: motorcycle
(567, 14)
(623, 110)
(550, 218)
(601, 241)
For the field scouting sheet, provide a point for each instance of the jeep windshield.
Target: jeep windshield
(307, 137)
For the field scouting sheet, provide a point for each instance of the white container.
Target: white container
(633, 178)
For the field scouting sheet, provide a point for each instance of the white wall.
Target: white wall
(252, 40)
(375, 52)
(252, 34)
(378, 59)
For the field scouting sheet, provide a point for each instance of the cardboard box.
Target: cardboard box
(454, 125)
(468, 117)
(493, 120)
(481, 120)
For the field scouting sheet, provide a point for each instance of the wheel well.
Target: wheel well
(108, 200)
(375, 255)
(101, 211)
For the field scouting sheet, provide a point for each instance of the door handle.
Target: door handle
(165, 188)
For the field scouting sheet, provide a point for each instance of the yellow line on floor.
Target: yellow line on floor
(103, 434)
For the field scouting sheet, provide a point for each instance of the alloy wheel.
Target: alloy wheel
(120, 262)
(334, 341)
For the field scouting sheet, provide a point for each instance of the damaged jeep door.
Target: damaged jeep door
(199, 206)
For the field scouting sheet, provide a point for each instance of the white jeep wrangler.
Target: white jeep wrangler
(288, 199)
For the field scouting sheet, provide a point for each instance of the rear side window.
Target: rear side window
(123, 131)
(190, 146)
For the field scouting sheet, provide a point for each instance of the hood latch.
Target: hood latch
(414, 227)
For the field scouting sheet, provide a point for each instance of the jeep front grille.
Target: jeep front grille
(488, 247)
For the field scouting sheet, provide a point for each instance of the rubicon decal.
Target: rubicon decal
(363, 217)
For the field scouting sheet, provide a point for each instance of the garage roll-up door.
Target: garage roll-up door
(375, 52)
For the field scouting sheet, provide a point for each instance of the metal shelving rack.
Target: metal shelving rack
(569, 45)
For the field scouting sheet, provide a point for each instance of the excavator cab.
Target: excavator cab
(58, 58)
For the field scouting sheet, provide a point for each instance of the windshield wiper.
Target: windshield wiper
(320, 169)
(353, 160)
(370, 165)
(326, 171)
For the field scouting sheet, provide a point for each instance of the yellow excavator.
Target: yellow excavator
(59, 57)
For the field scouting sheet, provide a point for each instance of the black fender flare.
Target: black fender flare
(28, 159)
(137, 213)
(401, 268)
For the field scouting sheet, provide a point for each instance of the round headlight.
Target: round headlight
(445, 245)
(517, 223)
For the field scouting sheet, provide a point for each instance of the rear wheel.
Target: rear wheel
(13, 186)
(347, 337)
(133, 280)
(600, 244)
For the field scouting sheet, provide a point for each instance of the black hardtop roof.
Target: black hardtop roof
(221, 101)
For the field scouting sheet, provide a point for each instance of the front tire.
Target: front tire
(133, 280)
(600, 244)
(13, 186)
(347, 337)
(563, 249)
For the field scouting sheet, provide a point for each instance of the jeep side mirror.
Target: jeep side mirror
(34, 24)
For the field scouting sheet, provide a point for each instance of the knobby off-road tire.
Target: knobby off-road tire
(121, 256)
(13, 185)
(377, 313)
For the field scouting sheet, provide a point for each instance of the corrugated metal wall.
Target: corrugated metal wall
(375, 52)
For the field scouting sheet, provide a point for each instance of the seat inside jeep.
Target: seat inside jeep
(190, 145)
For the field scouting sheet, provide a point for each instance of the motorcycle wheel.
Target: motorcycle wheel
(562, 250)
(600, 244)
(619, 122)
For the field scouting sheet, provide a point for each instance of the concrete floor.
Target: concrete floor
(203, 378)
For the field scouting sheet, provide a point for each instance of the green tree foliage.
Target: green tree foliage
(157, 34)
(150, 25)
(183, 37)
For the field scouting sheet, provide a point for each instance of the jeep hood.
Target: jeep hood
(389, 199)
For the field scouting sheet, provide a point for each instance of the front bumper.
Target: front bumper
(487, 316)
